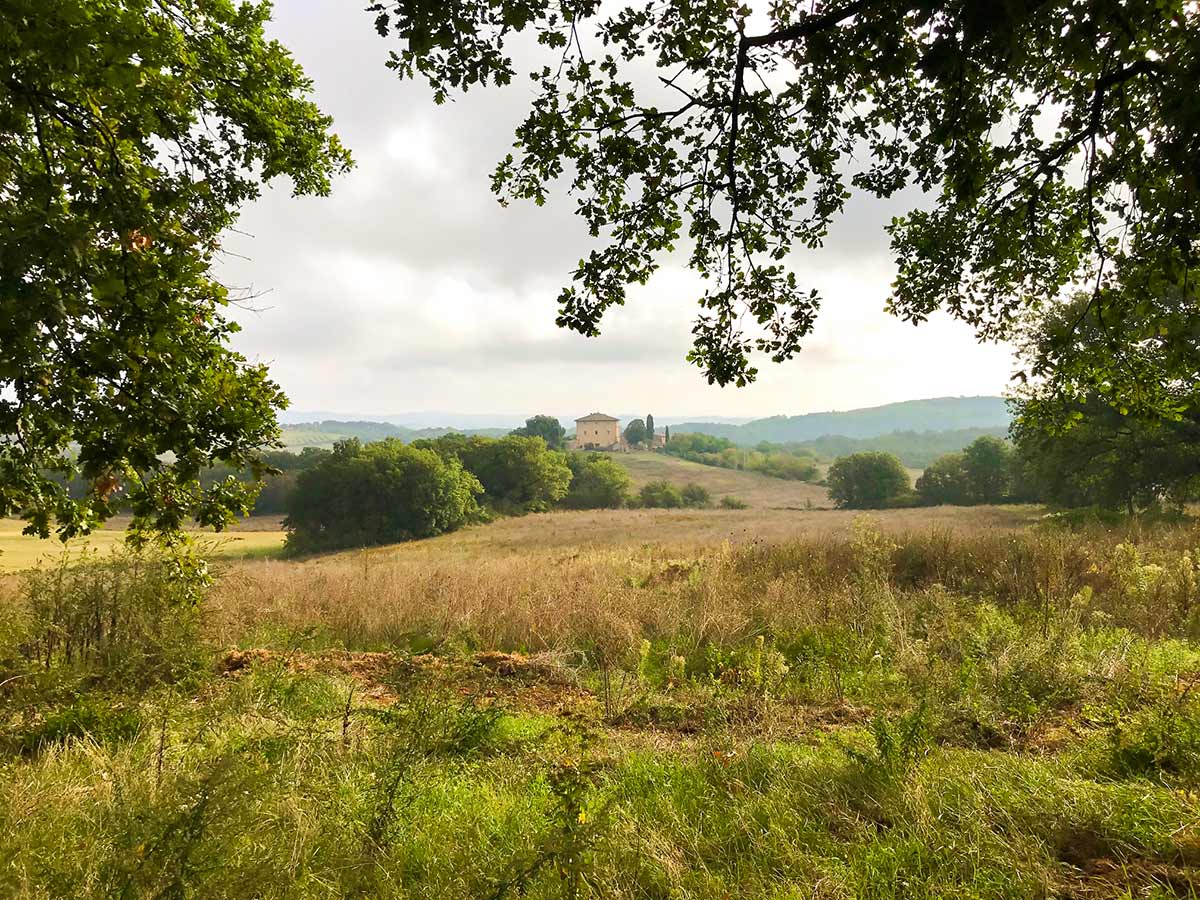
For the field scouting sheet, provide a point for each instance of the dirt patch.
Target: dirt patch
(538, 683)
(1106, 877)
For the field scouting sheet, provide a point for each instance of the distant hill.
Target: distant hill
(916, 449)
(327, 433)
(940, 414)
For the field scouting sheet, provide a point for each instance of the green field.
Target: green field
(20, 551)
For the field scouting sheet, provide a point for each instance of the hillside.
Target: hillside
(939, 414)
(326, 433)
(760, 491)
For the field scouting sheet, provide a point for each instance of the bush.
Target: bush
(379, 493)
(731, 502)
(696, 495)
(985, 472)
(868, 481)
(660, 495)
(127, 621)
(785, 466)
(596, 483)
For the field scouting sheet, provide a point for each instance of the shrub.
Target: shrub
(130, 620)
(95, 716)
(696, 495)
(596, 483)
(731, 502)
(868, 481)
(785, 466)
(660, 495)
(379, 493)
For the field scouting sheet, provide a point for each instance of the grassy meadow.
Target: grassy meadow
(18, 551)
(641, 703)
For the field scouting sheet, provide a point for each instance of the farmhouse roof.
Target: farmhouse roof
(597, 417)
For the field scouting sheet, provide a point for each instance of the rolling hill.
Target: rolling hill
(938, 414)
(756, 489)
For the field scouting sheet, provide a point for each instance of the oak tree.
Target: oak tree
(131, 133)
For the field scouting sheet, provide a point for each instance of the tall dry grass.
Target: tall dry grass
(556, 598)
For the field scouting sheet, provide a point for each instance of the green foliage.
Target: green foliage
(519, 474)
(649, 427)
(899, 744)
(660, 495)
(988, 465)
(131, 133)
(548, 428)
(696, 496)
(128, 620)
(1161, 740)
(731, 502)
(697, 446)
(635, 433)
(380, 493)
(868, 481)
(985, 472)
(783, 465)
(1006, 115)
(596, 483)
(945, 481)
(768, 459)
(1083, 452)
(95, 716)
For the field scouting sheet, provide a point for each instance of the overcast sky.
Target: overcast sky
(410, 288)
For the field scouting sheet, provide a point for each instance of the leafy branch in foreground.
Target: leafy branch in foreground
(1058, 138)
(131, 132)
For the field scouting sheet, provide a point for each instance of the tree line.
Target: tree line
(1107, 461)
(389, 491)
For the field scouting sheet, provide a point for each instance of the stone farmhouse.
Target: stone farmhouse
(597, 431)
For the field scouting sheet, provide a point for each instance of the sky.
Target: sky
(410, 288)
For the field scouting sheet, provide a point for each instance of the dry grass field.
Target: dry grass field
(760, 491)
(537, 580)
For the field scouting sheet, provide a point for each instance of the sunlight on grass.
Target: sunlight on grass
(20, 551)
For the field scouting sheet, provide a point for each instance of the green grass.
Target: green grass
(20, 551)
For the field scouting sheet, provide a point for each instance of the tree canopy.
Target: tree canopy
(131, 132)
(519, 474)
(1057, 142)
(1109, 460)
(868, 481)
(984, 472)
(596, 483)
(1085, 440)
(635, 433)
(548, 428)
(378, 493)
